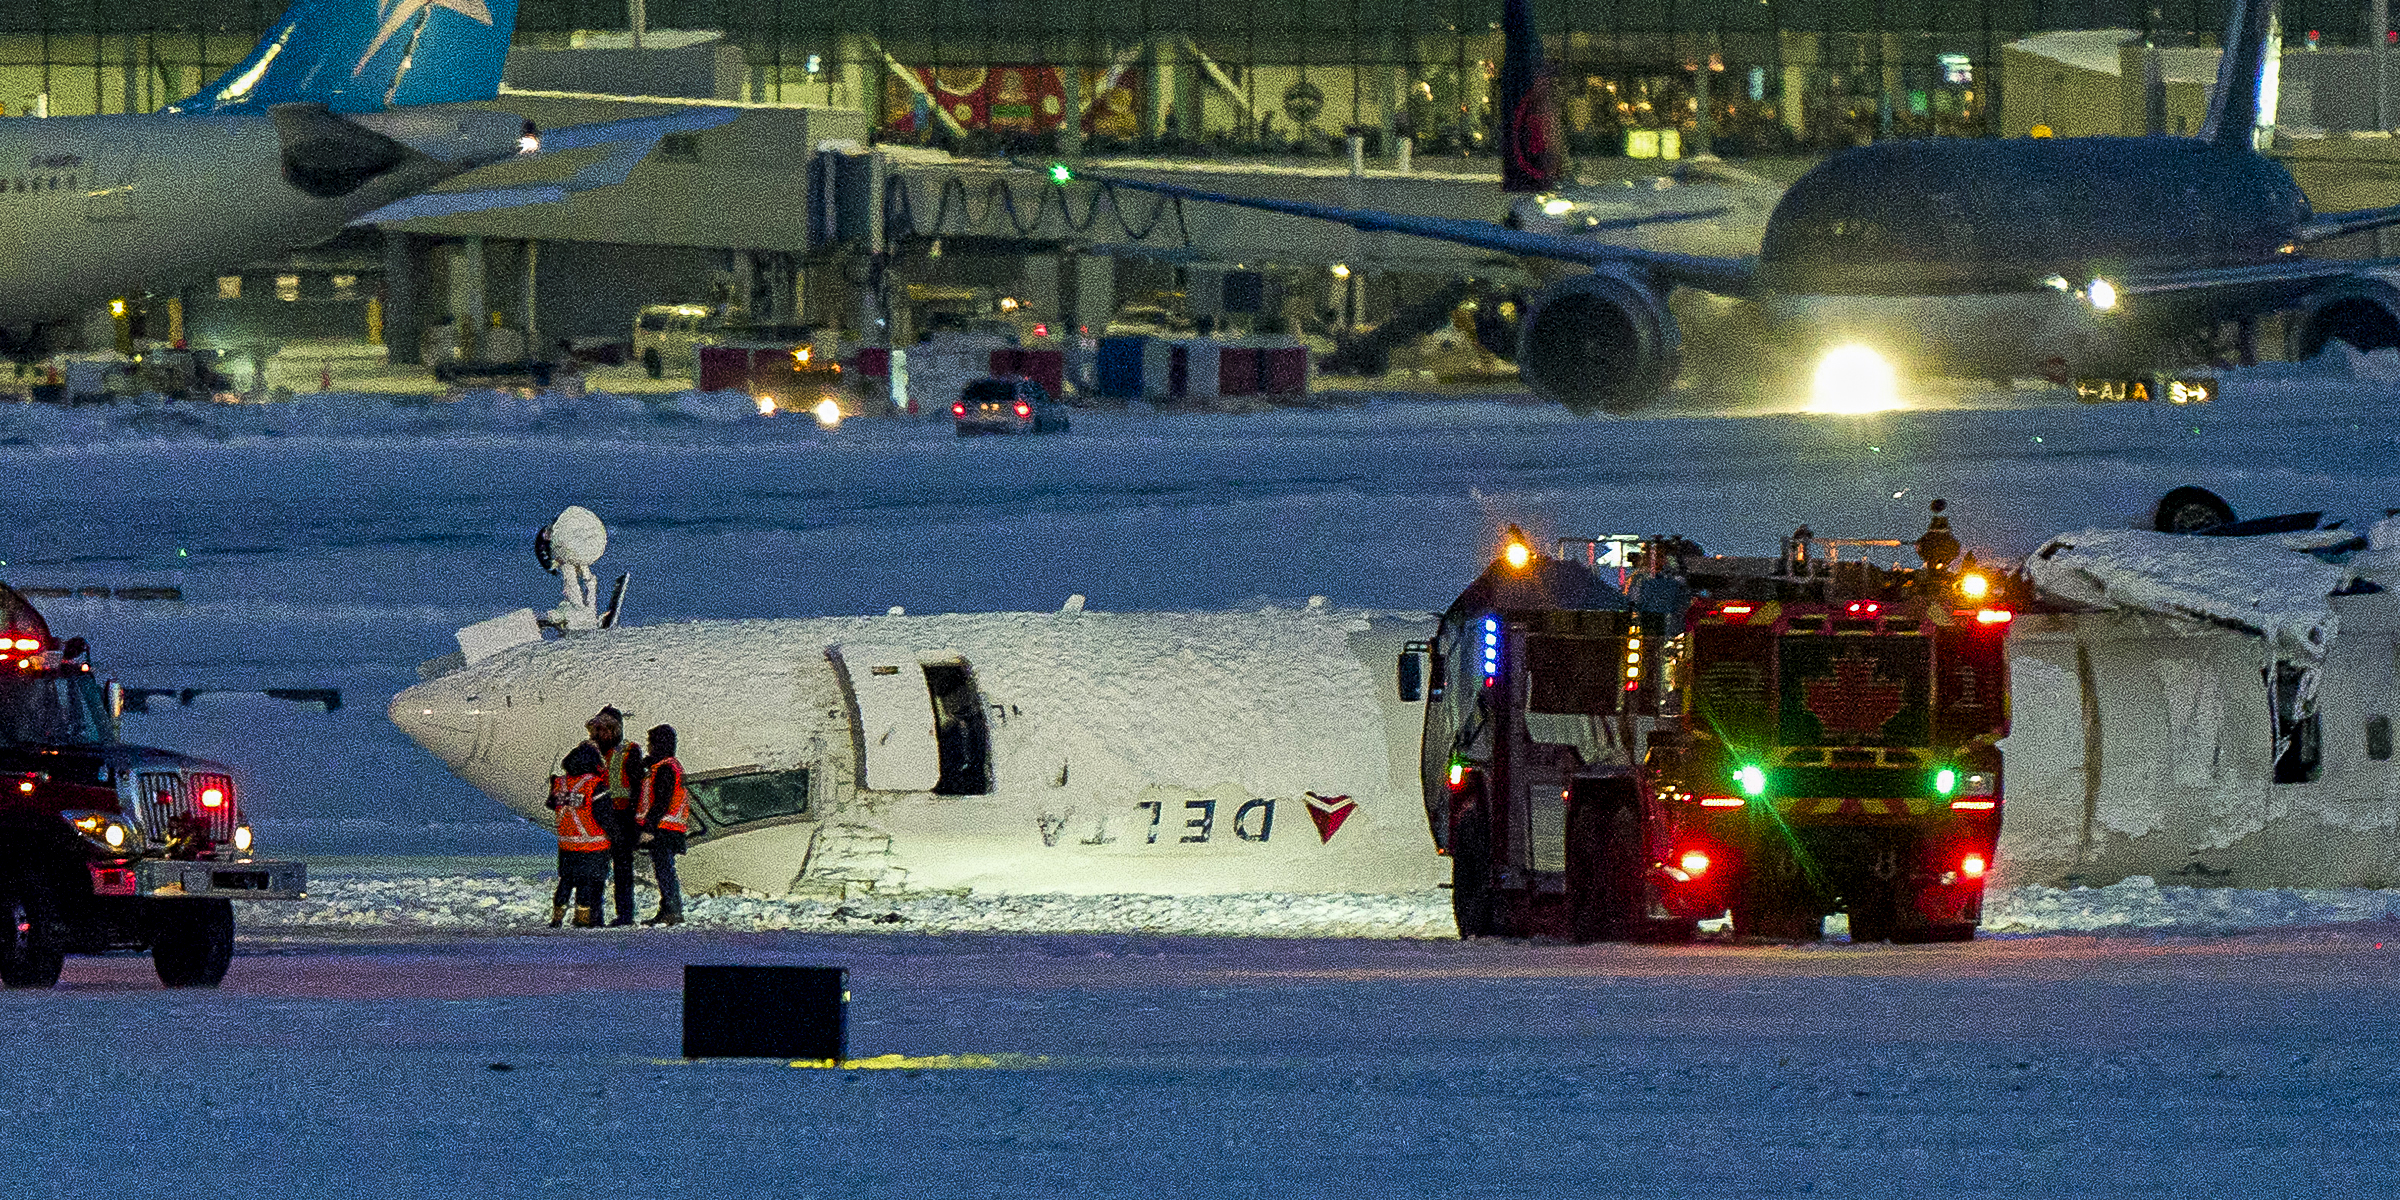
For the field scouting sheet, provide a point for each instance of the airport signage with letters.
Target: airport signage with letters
(2155, 388)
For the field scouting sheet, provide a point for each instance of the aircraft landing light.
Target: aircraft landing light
(1853, 379)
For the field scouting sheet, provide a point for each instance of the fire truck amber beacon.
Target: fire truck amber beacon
(1624, 740)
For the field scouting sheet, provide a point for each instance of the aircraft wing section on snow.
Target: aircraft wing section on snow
(1723, 276)
(632, 140)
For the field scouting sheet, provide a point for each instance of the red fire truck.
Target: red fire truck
(1627, 736)
(106, 846)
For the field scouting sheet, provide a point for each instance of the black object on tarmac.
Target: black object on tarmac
(766, 1012)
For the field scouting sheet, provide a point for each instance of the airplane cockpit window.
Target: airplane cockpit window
(728, 800)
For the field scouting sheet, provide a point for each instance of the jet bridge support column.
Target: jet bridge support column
(404, 285)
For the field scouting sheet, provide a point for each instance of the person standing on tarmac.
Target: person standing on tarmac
(661, 817)
(621, 774)
(582, 844)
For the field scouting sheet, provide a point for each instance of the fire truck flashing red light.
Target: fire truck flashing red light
(212, 797)
(1973, 805)
(1693, 863)
(1722, 801)
(1994, 616)
(1972, 866)
(27, 643)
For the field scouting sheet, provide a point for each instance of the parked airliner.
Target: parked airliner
(343, 107)
(2067, 257)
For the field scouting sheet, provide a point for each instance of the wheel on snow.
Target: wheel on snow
(32, 944)
(1604, 869)
(1471, 900)
(191, 942)
(2190, 510)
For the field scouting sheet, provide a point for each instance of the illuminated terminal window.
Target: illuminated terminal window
(229, 287)
(287, 287)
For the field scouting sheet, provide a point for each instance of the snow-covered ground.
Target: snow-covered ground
(412, 1030)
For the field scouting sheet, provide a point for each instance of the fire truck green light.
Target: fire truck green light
(1945, 781)
(1752, 779)
(1059, 173)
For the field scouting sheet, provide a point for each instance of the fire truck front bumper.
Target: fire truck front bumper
(162, 878)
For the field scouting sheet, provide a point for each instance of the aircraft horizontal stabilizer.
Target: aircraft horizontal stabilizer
(1723, 276)
(632, 139)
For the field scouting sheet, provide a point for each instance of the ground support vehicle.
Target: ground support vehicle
(1007, 404)
(106, 846)
(1784, 738)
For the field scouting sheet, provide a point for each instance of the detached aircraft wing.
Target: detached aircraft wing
(631, 140)
(1723, 276)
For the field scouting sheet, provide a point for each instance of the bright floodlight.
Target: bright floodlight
(1853, 379)
(829, 412)
(2102, 294)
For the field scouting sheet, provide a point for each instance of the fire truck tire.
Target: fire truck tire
(1604, 873)
(1872, 922)
(34, 949)
(1471, 899)
(192, 942)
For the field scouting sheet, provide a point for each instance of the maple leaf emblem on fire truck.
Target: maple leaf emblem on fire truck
(1853, 700)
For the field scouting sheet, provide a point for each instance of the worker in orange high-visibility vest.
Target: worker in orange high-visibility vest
(582, 843)
(620, 778)
(662, 816)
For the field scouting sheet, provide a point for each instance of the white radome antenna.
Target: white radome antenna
(567, 547)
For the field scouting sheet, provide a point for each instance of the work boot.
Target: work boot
(558, 914)
(665, 917)
(586, 917)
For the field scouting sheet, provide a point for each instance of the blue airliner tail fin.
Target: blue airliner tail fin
(2253, 40)
(368, 55)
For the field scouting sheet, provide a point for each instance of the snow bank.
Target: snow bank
(502, 901)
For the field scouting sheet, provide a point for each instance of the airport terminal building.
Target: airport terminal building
(724, 218)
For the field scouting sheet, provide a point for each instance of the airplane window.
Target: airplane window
(742, 799)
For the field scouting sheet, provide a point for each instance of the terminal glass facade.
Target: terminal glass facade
(1247, 76)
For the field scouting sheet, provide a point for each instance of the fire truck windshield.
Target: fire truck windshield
(53, 708)
(1572, 682)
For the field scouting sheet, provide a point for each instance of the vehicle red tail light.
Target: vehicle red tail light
(1694, 863)
(1973, 866)
(1864, 608)
(959, 409)
(1024, 409)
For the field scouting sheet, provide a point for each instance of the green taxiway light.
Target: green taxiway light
(1752, 779)
(1059, 173)
(1945, 781)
